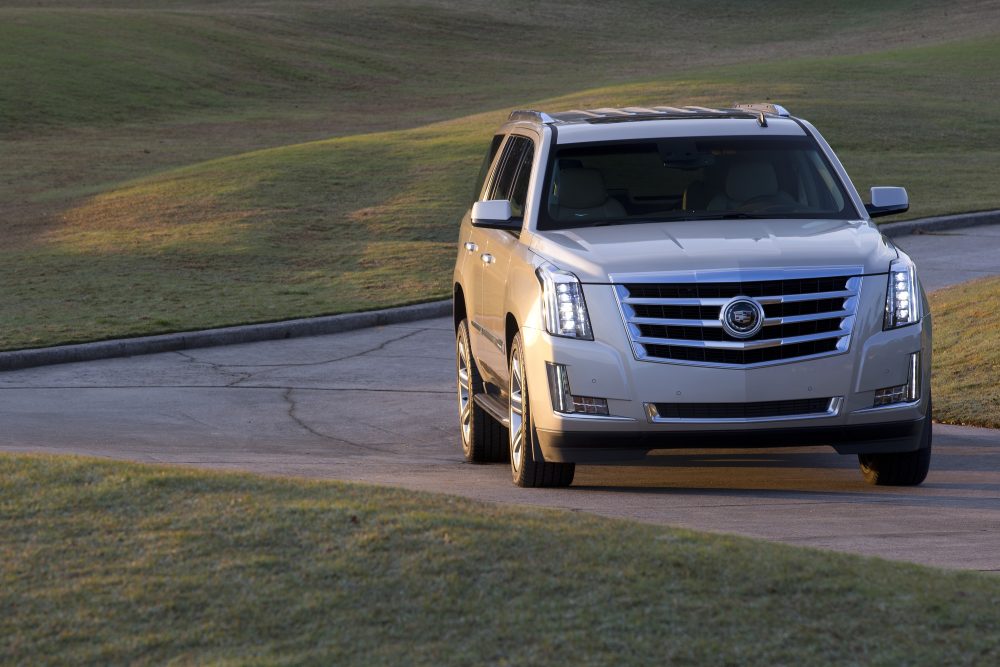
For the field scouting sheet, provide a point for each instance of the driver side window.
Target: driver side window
(513, 174)
(484, 168)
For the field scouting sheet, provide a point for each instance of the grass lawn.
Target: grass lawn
(369, 220)
(966, 377)
(112, 563)
(189, 165)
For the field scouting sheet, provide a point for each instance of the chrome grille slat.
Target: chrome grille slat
(650, 301)
(794, 319)
(713, 276)
(768, 322)
(714, 301)
(798, 323)
(741, 345)
(676, 323)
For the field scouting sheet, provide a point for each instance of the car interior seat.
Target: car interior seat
(745, 182)
(582, 196)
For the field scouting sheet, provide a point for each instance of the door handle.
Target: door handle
(487, 258)
(471, 247)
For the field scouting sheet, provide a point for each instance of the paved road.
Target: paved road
(948, 257)
(377, 405)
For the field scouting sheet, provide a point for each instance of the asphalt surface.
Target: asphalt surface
(954, 256)
(378, 405)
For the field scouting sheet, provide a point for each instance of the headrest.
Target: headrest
(747, 180)
(581, 188)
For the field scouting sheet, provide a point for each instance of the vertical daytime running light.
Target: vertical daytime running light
(902, 302)
(563, 306)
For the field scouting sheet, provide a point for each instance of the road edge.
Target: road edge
(316, 326)
(248, 333)
(940, 223)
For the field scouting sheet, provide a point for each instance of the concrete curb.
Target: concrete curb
(250, 333)
(314, 326)
(939, 223)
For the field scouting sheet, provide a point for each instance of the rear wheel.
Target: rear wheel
(902, 469)
(525, 470)
(484, 439)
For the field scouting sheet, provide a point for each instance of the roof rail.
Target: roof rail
(628, 114)
(765, 107)
(530, 115)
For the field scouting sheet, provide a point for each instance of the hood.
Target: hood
(592, 253)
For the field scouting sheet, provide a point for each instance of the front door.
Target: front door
(511, 183)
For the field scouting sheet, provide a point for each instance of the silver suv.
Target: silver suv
(640, 279)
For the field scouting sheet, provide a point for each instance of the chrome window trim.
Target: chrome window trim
(844, 333)
(832, 410)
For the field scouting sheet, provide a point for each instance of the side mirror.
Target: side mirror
(494, 214)
(887, 201)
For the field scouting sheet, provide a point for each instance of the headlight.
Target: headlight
(902, 300)
(563, 307)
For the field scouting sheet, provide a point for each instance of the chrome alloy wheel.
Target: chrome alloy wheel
(464, 391)
(517, 439)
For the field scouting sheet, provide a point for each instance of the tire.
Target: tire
(525, 470)
(903, 469)
(483, 439)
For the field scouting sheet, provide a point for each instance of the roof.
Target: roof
(758, 111)
(629, 123)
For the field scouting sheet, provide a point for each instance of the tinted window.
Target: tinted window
(690, 179)
(484, 169)
(519, 190)
(510, 179)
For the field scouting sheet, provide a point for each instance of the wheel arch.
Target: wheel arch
(510, 330)
(458, 310)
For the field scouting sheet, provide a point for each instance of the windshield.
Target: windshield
(692, 178)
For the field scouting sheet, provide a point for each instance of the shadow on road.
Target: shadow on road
(795, 476)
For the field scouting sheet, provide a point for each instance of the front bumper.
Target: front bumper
(607, 446)
(606, 368)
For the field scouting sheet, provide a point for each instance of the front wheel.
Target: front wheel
(526, 471)
(902, 469)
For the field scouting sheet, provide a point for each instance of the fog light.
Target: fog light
(563, 399)
(890, 395)
(589, 405)
(908, 392)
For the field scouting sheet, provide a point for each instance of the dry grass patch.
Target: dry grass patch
(966, 378)
(112, 563)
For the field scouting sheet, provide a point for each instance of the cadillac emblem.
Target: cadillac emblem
(742, 317)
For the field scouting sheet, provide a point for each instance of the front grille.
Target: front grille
(758, 410)
(696, 290)
(678, 320)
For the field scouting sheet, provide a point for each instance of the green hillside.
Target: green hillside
(188, 165)
(111, 62)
